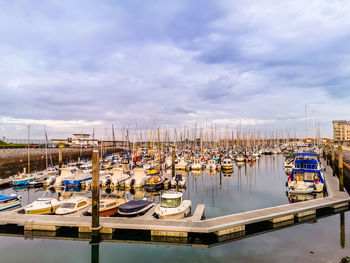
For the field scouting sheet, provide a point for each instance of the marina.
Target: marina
(228, 205)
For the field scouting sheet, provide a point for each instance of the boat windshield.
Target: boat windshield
(170, 202)
(68, 205)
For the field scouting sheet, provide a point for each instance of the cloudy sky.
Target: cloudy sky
(75, 65)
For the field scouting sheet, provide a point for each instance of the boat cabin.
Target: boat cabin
(170, 200)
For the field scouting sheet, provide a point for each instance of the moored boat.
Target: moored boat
(73, 205)
(9, 202)
(109, 205)
(173, 207)
(23, 179)
(306, 176)
(43, 206)
(135, 207)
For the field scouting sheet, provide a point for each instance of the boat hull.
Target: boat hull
(22, 181)
(43, 211)
(177, 216)
(10, 205)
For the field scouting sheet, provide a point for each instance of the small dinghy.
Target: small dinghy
(135, 207)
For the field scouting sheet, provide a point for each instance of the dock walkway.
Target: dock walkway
(220, 226)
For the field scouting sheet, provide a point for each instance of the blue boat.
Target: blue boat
(76, 181)
(9, 202)
(23, 179)
(306, 176)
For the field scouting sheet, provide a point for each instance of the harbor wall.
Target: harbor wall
(13, 161)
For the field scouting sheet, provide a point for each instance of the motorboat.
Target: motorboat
(240, 158)
(306, 176)
(173, 207)
(135, 207)
(137, 180)
(65, 172)
(109, 205)
(197, 164)
(50, 181)
(118, 177)
(154, 183)
(73, 205)
(227, 163)
(211, 165)
(36, 184)
(181, 165)
(77, 179)
(23, 179)
(178, 180)
(8, 202)
(43, 206)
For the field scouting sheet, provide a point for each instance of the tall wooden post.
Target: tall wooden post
(340, 168)
(95, 222)
(59, 160)
(333, 159)
(173, 161)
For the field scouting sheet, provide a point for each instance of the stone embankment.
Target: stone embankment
(13, 161)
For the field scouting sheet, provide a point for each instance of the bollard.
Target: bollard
(333, 159)
(95, 221)
(173, 161)
(340, 168)
(59, 160)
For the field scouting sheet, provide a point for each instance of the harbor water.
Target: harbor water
(249, 187)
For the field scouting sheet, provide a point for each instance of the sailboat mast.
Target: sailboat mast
(28, 150)
(47, 163)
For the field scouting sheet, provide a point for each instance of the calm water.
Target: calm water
(250, 187)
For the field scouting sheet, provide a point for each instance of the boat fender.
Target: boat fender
(132, 182)
(286, 184)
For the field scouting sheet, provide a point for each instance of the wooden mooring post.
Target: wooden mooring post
(95, 221)
(340, 168)
(59, 160)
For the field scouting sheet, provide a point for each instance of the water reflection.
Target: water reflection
(342, 230)
(95, 250)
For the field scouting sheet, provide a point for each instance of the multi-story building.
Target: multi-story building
(341, 132)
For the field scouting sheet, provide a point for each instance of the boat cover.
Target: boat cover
(134, 206)
(4, 198)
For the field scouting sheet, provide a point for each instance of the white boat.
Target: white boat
(66, 172)
(197, 164)
(211, 165)
(179, 180)
(181, 165)
(73, 205)
(137, 180)
(118, 177)
(50, 181)
(227, 163)
(43, 206)
(173, 207)
(240, 158)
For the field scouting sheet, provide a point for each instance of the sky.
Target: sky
(80, 65)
